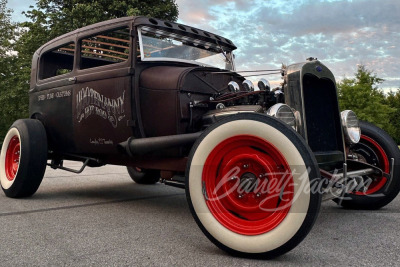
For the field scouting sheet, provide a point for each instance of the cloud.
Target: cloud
(341, 34)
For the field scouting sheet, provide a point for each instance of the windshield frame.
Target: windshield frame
(224, 51)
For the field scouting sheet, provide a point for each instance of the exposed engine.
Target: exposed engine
(203, 96)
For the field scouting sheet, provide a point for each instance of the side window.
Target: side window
(106, 48)
(57, 61)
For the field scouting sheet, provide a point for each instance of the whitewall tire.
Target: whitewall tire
(229, 168)
(23, 158)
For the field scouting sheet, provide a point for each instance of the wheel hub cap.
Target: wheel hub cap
(248, 185)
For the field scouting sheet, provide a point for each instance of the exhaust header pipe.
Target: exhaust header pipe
(141, 146)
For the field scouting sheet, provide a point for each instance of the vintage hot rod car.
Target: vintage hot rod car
(165, 100)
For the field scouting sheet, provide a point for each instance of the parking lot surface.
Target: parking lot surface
(102, 218)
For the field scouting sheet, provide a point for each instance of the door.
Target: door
(102, 92)
(51, 95)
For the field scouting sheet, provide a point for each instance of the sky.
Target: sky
(340, 33)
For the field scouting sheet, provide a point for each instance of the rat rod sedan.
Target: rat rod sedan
(165, 100)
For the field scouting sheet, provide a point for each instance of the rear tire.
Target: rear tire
(259, 150)
(141, 176)
(375, 147)
(23, 158)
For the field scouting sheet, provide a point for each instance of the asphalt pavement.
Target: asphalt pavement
(102, 218)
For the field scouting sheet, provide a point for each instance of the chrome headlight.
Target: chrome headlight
(284, 113)
(264, 85)
(351, 127)
(233, 86)
(248, 85)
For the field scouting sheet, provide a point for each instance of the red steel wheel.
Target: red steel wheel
(249, 183)
(12, 158)
(244, 177)
(23, 158)
(376, 147)
(374, 154)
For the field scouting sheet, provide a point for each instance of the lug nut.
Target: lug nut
(258, 195)
(240, 196)
(245, 166)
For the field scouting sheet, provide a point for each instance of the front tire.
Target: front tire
(376, 147)
(226, 168)
(23, 158)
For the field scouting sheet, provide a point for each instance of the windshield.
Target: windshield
(160, 45)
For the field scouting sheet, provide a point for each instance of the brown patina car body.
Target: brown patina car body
(90, 111)
(165, 100)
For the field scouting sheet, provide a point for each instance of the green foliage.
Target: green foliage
(47, 20)
(6, 29)
(52, 18)
(393, 100)
(13, 96)
(362, 95)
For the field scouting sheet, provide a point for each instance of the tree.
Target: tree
(47, 20)
(362, 95)
(52, 18)
(6, 28)
(13, 102)
(393, 100)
